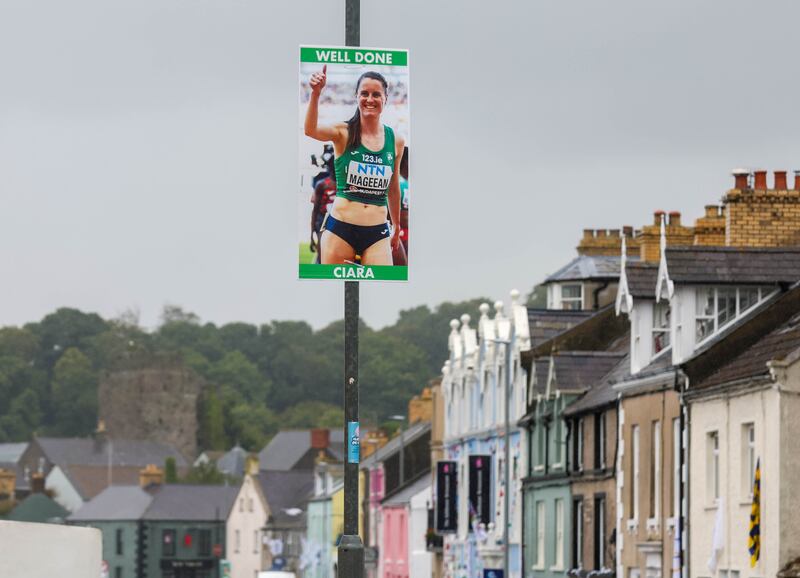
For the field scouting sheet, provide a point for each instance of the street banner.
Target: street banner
(446, 490)
(480, 488)
(353, 196)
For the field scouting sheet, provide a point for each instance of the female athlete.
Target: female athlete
(367, 154)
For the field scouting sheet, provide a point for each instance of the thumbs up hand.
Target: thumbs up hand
(318, 80)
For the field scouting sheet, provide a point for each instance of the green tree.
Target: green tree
(308, 414)
(170, 471)
(74, 394)
(212, 423)
(236, 371)
(64, 329)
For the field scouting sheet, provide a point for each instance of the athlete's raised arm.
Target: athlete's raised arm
(312, 128)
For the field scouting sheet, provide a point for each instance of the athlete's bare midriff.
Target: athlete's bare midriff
(357, 213)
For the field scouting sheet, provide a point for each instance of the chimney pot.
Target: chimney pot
(675, 218)
(588, 234)
(712, 211)
(657, 217)
(627, 230)
(797, 180)
(614, 233)
(780, 181)
(741, 176)
(320, 438)
(761, 180)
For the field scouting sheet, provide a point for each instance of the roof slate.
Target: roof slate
(752, 363)
(575, 370)
(603, 393)
(285, 491)
(10, 453)
(746, 265)
(38, 508)
(191, 503)
(547, 323)
(233, 462)
(584, 267)
(88, 452)
(114, 503)
(642, 279)
(289, 446)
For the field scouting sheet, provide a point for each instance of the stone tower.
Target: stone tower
(156, 401)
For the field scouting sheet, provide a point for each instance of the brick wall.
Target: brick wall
(676, 233)
(709, 230)
(763, 217)
(608, 242)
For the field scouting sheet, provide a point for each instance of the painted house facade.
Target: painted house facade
(474, 395)
(742, 399)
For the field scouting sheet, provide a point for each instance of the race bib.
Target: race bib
(369, 176)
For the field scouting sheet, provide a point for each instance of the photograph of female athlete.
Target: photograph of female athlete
(367, 156)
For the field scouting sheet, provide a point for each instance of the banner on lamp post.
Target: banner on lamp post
(353, 198)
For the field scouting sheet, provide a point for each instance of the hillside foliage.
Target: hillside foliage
(259, 379)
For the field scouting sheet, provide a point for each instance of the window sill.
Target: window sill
(633, 524)
(556, 568)
(538, 568)
(710, 507)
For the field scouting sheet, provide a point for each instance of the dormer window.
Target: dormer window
(716, 307)
(572, 296)
(661, 333)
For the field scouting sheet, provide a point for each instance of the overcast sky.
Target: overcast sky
(148, 152)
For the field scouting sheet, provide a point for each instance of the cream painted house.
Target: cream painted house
(244, 535)
(743, 399)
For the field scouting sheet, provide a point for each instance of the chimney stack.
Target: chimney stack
(780, 181)
(8, 482)
(320, 438)
(674, 218)
(761, 180)
(151, 475)
(37, 483)
(741, 176)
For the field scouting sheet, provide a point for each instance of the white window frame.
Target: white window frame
(712, 468)
(656, 471)
(664, 330)
(571, 300)
(579, 443)
(559, 553)
(634, 517)
(540, 535)
(748, 459)
(676, 469)
(763, 292)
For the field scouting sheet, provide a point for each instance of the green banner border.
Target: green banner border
(354, 272)
(398, 57)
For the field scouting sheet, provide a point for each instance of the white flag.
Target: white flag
(718, 537)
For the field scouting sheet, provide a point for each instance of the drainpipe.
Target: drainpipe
(596, 293)
(681, 385)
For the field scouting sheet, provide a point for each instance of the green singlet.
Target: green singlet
(363, 175)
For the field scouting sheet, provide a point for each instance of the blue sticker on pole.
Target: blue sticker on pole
(353, 442)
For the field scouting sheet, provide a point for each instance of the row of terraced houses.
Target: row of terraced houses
(621, 429)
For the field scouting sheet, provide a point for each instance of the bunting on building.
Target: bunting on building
(754, 541)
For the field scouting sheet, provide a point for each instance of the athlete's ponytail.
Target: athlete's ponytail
(354, 124)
